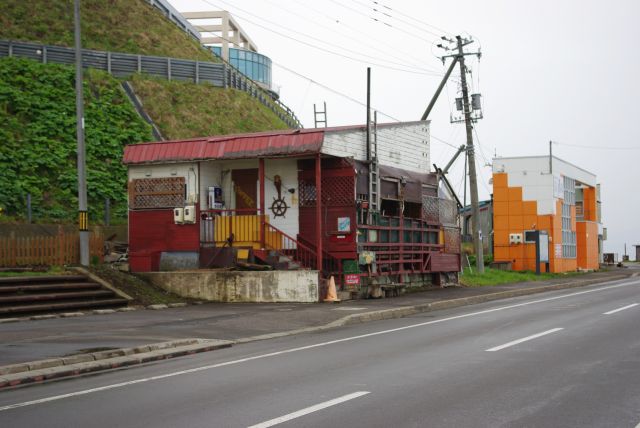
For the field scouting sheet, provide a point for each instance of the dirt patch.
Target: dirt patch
(143, 293)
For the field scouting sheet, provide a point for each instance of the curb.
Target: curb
(57, 368)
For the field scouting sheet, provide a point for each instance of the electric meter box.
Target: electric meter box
(190, 214)
(178, 215)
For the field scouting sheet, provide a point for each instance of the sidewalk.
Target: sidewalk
(61, 337)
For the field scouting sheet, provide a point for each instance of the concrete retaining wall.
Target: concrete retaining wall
(272, 286)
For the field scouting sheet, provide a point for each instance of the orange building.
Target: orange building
(547, 194)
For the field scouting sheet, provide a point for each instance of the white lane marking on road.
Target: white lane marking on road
(303, 348)
(310, 409)
(524, 339)
(620, 309)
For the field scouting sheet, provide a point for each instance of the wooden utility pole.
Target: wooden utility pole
(473, 181)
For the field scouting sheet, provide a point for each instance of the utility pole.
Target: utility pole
(473, 181)
(83, 217)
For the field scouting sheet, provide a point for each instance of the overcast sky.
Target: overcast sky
(561, 70)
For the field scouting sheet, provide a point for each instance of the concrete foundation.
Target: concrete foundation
(267, 287)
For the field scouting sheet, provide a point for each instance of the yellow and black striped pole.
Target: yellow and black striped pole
(83, 221)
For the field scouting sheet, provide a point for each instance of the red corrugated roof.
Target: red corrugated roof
(298, 142)
(240, 146)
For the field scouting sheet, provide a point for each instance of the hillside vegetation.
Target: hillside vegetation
(131, 26)
(37, 105)
(38, 135)
(185, 110)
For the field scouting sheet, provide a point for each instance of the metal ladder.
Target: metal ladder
(320, 117)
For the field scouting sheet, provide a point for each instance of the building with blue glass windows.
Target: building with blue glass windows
(220, 33)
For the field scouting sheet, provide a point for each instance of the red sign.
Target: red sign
(352, 279)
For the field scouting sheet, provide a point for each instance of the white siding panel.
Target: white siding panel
(287, 169)
(402, 145)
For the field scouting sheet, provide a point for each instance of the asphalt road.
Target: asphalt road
(561, 359)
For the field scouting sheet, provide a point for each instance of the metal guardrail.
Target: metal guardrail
(122, 65)
(174, 16)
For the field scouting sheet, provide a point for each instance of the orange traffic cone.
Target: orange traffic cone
(332, 295)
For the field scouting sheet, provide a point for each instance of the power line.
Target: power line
(413, 18)
(376, 47)
(342, 23)
(427, 73)
(382, 12)
(381, 22)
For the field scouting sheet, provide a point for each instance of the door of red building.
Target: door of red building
(245, 183)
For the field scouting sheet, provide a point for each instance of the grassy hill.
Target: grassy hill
(132, 26)
(38, 134)
(185, 110)
(37, 105)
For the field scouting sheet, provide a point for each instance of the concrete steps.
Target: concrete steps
(277, 260)
(42, 294)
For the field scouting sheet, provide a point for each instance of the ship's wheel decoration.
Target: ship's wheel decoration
(279, 206)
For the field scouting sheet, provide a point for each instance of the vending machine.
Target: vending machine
(215, 200)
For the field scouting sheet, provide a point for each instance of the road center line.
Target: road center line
(304, 348)
(620, 309)
(524, 339)
(309, 410)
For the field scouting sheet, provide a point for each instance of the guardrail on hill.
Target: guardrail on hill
(122, 65)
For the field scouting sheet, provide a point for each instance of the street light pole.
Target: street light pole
(83, 217)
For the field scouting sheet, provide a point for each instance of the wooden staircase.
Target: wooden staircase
(38, 294)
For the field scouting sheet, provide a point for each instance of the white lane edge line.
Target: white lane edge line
(524, 339)
(620, 309)
(304, 348)
(308, 410)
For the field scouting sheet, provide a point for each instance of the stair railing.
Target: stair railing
(277, 240)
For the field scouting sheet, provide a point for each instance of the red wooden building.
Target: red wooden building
(365, 210)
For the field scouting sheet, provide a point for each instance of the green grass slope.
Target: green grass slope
(131, 26)
(185, 110)
(38, 135)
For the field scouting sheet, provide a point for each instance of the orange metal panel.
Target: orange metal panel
(501, 208)
(530, 222)
(530, 251)
(516, 252)
(515, 193)
(500, 194)
(501, 253)
(530, 208)
(500, 180)
(544, 222)
(501, 237)
(501, 222)
(515, 224)
(515, 208)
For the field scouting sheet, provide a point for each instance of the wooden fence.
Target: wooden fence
(61, 249)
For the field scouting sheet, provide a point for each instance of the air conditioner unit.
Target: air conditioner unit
(190, 214)
(178, 215)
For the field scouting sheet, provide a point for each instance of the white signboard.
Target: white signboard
(558, 187)
(544, 247)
